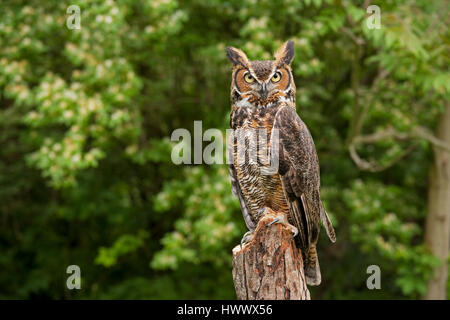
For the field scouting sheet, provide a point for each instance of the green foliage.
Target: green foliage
(383, 222)
(126, 243)
(208, 226)
(86, 175)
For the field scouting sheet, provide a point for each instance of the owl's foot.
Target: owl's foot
(246, 238)
(281, 219)
(259, 213)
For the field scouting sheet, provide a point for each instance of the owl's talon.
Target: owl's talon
(294, 230)
(259, 213)
(281, 220)
(277, 220)
(246, 238)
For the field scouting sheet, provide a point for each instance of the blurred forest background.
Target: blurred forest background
(86, 116)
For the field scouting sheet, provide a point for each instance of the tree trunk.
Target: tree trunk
(438, 219)
(269, 267)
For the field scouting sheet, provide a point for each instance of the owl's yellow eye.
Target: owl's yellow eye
(276, 77)
(249, 78)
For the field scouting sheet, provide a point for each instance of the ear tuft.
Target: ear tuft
(285, 53)
(236, 56)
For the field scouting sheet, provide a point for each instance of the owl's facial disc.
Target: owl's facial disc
(264, 81)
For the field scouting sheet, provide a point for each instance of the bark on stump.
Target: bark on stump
(269, 267)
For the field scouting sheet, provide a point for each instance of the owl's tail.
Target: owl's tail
(311, 260)
(312, 268)
(327, 224)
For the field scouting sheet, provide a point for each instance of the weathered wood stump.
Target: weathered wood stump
(269, 267)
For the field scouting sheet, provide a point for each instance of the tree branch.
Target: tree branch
(373, 166)
(357, 40)
(391, 133)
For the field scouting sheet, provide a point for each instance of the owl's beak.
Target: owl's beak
(263, 92)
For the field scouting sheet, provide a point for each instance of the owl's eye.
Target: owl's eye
(249, 78)
(276, 77)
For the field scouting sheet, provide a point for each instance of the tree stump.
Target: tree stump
(269, 267)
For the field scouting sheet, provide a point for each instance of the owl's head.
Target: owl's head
(262, 82)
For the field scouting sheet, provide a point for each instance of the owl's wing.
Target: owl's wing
(236, 189)
(300, 175)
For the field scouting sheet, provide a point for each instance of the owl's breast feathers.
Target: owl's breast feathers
(295, 187)
(257, 190)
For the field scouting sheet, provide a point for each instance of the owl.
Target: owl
(263, 97)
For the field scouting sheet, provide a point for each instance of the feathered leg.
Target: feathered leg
(312, 268)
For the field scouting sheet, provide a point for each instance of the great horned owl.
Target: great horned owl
(263, 96)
